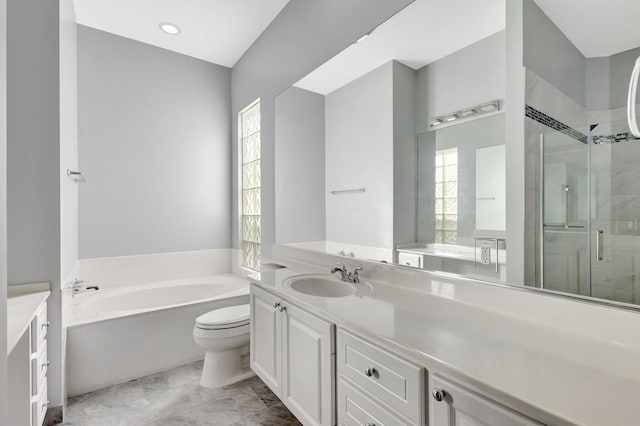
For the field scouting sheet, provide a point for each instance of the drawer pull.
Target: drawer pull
(438, 394)
(283, 308)
(370, 372)
(276, 305)
(369, 424)
(46, 324)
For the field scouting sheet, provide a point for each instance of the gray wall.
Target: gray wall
(300, 166)
(404, 154)
(33, 152)
(468, 77)
(515, 145)
(607, 80)
(549, 53)
(302, 37)
(154, 131)
(3, 212)
(68, 137)
(359, 154)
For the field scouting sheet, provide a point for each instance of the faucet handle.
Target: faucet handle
(354, 276)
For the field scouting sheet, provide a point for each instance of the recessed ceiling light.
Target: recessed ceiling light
(170, 28)
(451, 118)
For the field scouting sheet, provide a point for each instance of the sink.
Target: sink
(320, 285)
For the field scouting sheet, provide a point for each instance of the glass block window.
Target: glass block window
(250, 159)
(447, 196)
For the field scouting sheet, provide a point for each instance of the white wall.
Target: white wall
(302, 37)
(359, 154)
(154, 132)
(33, 152)
(3, 212)
(300, 166)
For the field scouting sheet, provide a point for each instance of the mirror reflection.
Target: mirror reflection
(379, 150)
(584, 158)
(386, 152)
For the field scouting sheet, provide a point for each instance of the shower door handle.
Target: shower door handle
(631, 100)
(599, 241)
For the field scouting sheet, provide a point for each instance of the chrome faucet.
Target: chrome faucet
(80, 286)
(349, 277)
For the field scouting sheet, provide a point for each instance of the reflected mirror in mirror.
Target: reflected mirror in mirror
(363, 171)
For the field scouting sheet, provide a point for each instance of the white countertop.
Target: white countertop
(557, 375)
(448, 251)
(20, 311)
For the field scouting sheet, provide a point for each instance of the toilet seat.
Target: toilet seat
(225, 318)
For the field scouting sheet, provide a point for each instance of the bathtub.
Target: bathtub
(121, 333)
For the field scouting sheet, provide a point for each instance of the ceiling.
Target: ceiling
(218, 31)
(423, 32)
(597, 27)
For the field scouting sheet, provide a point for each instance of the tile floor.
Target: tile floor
(174, 397)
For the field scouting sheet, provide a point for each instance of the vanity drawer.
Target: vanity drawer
(39, 328)
(410, 259)
(355, 408)
(382, 374)
(39, 367)
(39, 405)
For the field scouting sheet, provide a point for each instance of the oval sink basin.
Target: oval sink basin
(320, 285)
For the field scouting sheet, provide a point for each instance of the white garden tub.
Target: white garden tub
(125, 332)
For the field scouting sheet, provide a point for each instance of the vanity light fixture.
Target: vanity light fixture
(169, 28)
(466, 114)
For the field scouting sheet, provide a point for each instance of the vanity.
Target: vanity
(425, 348)
(27, 353)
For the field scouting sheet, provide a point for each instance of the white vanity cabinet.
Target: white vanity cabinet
(376, 387)
(27, 373)
(454, 405)
(293, 352)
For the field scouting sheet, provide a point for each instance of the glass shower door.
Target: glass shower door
(564, 259)
(615, 213)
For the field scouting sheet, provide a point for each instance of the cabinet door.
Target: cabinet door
(308, 366)
(462, 407)
(266, 356)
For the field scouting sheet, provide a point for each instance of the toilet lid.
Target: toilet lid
(231, 316)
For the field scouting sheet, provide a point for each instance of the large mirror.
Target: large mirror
(378, 151)
(399, 148)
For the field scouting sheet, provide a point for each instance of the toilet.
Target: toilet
(224, 334)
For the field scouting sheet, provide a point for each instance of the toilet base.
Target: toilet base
(224, 368)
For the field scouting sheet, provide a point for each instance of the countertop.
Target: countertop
(20, 311)
(552, 375)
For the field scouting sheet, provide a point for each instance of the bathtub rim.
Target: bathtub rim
(75, 321)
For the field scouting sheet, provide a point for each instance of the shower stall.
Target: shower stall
(589, 219)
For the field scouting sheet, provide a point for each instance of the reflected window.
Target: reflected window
(251, 181)
(446, 196)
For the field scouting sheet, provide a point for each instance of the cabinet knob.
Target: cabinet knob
(369, 372)
(276, 305)
(369, 424)
(46, 324)
(438, 394)
(46, 404)
(283, 308)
